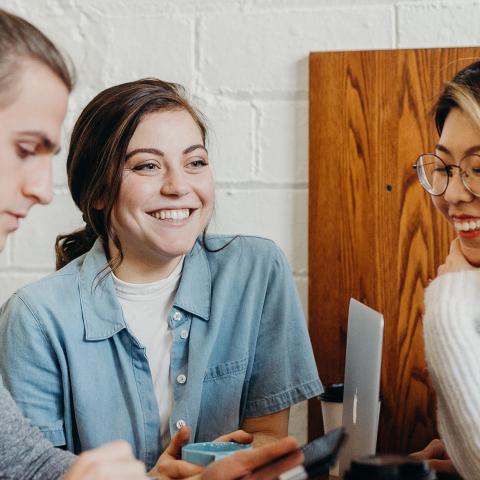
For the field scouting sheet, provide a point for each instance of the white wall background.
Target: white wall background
(245, 64)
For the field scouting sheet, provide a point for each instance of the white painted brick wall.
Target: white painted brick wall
(32, 244)
(277, 213)
(282, 158)
(231, 130)
(267, 52)
(12, 281)
(438, 24)
(245, 63)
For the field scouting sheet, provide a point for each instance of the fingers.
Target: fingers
(114, 471)
(178, 469)
(239, 436)
(257, 457)
(459, 259)
(243, 463)
(114, 451)
(456, 252)
(455, 246)
(272, 472)
(435, 449)
(443, 466)
(437, 456)
(177, 442)
(114, 461)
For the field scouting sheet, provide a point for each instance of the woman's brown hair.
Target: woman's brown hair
(20, 40)
(97, 156)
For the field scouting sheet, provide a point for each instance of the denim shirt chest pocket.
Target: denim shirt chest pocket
(222, 398)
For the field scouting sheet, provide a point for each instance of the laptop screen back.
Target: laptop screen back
(362, 382)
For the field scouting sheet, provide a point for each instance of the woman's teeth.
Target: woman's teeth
(467, 226)
(171, 214)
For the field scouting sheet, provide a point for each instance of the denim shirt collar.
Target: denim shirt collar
(194, 291)
(101, 310)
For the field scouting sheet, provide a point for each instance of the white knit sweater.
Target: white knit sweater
(452, 344)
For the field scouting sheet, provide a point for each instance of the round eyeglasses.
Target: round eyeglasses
(434, 173)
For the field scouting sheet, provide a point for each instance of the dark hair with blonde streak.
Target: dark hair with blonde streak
(20, 41)
(97, 157)
(462, 92)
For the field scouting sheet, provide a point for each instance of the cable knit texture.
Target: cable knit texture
(452, 345)
(24, 452)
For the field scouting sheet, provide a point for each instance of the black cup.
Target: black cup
(389, 467)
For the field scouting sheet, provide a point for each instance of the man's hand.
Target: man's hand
(437, 457)
(238, 436)
(455, 261)
(114, 461)
(245, 462)
(170, 465)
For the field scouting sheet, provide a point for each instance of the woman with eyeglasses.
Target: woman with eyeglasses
(451, 175)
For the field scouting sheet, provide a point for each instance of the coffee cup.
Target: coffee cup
(389, 467)
(332, 410)
(207, 452)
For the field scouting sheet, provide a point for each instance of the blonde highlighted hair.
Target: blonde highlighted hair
(462, 92)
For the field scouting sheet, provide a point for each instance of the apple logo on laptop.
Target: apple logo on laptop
(355, 401)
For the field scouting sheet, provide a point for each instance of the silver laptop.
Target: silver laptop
(362, 382)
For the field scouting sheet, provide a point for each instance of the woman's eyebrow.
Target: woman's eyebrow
(194, 147)
(159, 153)
(153, 151)
(473, 149)
(443, 149)
(468, 151)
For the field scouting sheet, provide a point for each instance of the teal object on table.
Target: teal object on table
(207, 452)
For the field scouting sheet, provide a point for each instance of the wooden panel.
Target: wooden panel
(373, 232)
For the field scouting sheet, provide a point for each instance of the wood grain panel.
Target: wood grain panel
(373, 232)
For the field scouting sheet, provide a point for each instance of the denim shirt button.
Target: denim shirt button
(181, 379)
(177, 316)
(184, 334)
(180, 424)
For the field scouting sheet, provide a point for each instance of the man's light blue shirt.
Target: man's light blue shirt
(240, 349)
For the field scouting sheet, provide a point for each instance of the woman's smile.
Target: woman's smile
(172, 215)
(166, 177)
(457, 204)
(466, 226)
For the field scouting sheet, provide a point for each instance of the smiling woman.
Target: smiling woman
(458, 202)
(150, 324)
(166, 196)
(452, 302)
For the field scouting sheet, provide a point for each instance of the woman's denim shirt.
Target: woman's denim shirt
(240, 349)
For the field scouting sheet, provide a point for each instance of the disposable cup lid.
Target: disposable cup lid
(332, 393)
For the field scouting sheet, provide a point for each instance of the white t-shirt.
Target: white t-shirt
(146, 307)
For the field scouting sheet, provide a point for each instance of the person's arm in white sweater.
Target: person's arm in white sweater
(452, 345)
